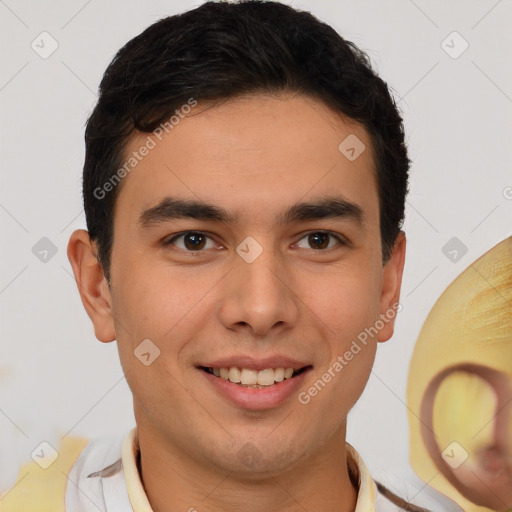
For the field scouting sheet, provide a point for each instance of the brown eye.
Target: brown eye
(321, 240)
(192, 241)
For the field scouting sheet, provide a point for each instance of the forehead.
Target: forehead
(251, 154)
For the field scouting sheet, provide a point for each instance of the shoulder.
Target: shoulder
(397, 494)
(69, 477)
(408, 494)
(386, 501)
(97, 481)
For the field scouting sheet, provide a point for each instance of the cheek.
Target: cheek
(152, 299)
(337, 386)
(348, 304)
(170, 306)
(345, 299)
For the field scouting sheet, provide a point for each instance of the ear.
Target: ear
(391, 284)
(92, 285)
(474, 429)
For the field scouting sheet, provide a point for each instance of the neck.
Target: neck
(175, 481)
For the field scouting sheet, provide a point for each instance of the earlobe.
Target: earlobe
(391, 284)
(92, 285)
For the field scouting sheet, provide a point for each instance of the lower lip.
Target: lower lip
(256, 398)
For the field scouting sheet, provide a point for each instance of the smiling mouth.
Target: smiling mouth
(249, 378)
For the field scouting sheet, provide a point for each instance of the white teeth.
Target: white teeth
(234, 374)
(249, 377)
(279, 374)
(266, 377)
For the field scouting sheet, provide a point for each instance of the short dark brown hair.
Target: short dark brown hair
(221, 50)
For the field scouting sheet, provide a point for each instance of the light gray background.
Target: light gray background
(56, 377)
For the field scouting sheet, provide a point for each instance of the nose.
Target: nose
(259, 296)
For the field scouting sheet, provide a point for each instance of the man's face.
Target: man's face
(211, 299)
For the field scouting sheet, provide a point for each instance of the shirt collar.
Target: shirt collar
(366, 495)
(365, 498)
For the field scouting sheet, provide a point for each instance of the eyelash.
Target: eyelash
(341, 240)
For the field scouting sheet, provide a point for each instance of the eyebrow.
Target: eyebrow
(330, 207)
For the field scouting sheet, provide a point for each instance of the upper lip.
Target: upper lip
(253, 363)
